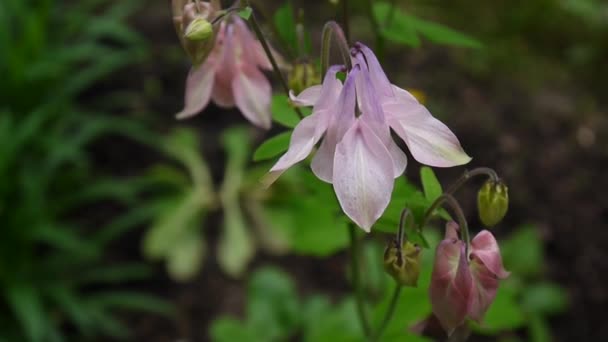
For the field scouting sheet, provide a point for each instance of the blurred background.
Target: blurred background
(119, 222)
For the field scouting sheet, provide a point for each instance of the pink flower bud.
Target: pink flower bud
(464, 286)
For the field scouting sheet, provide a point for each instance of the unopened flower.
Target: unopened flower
(357, 154)
(231, 75)
(492, 202)
(403, 262)
(193, 26)
(463, 286)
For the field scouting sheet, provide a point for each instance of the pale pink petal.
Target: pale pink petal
(307, 98)
(198, 89)
(338, 119)
(378, 77)
(303, 139)
(398, 156)
(485, 286)
(363, 176)
(330, 91)
(451, 284)
(402, 95)
(485, 248)
(252, 94)
(429, 140)
(226, 55)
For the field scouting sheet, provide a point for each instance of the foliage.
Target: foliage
(52, 261)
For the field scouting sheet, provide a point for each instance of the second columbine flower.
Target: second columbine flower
(357, 154)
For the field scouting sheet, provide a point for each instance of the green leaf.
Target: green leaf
(504, 314)
(185, 262)
(272, 147)
(26, 304)
(395, 26)
(236, 246)
(337, 323)
(405, 29)
(430, 184)
(228, 329)
(285, 23)
(283, 112)
(245, 13)
(523, 252)
(273, 306)
(440, 34)
(538, 329)
(544, 299)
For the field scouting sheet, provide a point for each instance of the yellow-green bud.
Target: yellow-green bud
(302, 76)
(199, 29)
(492, 202)
(403, 263)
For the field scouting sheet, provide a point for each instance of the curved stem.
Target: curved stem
(330, 30)
(354, 262)
(389, 312)
(480, 171)
(275, 66)
(462, 222)
(468, 175)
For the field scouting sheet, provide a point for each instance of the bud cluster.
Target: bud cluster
(192, 22)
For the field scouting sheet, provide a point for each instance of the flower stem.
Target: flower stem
(468, 175)
(275, 66)
(330, 30)
(354, 262)
(389, 313)
(462, 222)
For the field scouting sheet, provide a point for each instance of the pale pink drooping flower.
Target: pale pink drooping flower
(231, 75)
(463, 286)
(357, 154)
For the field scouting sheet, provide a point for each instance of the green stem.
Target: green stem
(354, 262)
(462, 222)
(332, 29)
(389, 313)
(275, 66)
(468, 175)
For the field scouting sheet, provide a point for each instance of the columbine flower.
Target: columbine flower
(464, 286)
(357, 154)
(231, 76)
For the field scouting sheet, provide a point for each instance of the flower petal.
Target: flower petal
(307, 98)
(252, 93)
(198, 89)
(485, 287)
(430, 141)
(363, 176)
(451, 284)
(485, 248)
(378, 77)
(226, 56)
(337, 119)
(303, 139)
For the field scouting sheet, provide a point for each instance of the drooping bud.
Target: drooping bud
(194, 29)
(199, 29)
(403, 262)
(492, 202)
(302, 76)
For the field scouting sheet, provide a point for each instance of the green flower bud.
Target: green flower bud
(302, 76)
(492, 202)
(403, 263)
(199, 29)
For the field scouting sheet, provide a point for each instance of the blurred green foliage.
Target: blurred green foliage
(52, 255)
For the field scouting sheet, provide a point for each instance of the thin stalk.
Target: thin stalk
(354, 262)
(462, 222)
(332, 29)
(468, 175)
(389, 313)
(275, 66)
